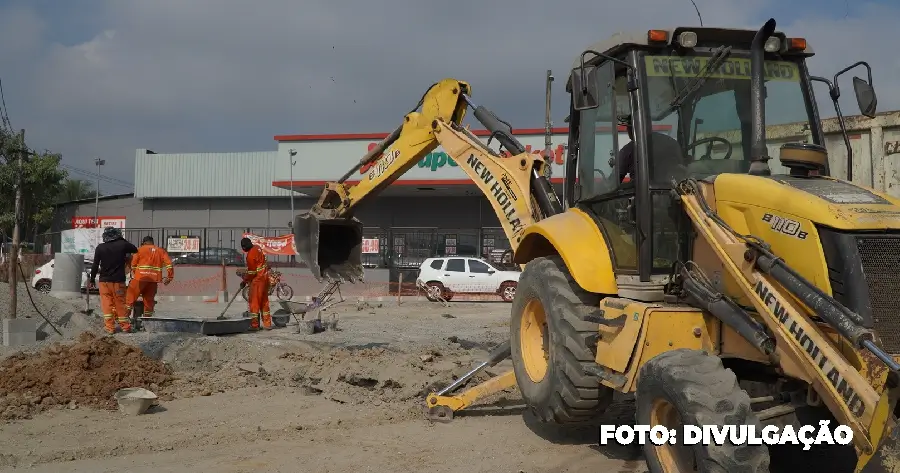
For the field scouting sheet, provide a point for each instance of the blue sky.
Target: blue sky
(93, 78)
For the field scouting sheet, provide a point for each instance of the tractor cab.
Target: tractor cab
(652, 108)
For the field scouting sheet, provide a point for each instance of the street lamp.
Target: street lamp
(292, 153)
(291, 161)
(99, 162)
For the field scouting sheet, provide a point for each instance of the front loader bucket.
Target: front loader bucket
(330, 247)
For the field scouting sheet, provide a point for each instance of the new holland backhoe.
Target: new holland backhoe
(687, 269)
(742, 294)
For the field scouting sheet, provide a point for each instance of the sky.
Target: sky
(100, 78)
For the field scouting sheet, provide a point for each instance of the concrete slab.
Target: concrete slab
(200, 325)
(18, 332)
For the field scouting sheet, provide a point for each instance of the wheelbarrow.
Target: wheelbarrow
(312, 326)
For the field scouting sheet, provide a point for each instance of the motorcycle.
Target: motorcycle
(281, 289)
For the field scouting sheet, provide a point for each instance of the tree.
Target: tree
(42, 182)
(76, 189)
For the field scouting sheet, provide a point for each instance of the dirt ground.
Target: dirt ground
(337, 401)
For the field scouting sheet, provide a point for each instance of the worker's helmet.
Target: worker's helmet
(111, 233)
(246, 244)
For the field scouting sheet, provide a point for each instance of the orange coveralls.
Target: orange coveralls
(257, 277)
(148, 264)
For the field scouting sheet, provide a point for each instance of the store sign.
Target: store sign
(80, 240)
(89, 222)
(183, 244)
(281, 245)
(439, 159)
(370, 246)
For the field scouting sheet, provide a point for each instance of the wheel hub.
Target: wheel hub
(673, 458)
(534, 340)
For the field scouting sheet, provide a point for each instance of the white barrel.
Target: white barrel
(67, 271)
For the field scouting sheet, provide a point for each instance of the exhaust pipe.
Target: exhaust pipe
(759, 154)
(330, 247)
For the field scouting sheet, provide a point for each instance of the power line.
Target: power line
(93, 175)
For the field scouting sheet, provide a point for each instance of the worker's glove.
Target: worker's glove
(166, 281)
(92, 284)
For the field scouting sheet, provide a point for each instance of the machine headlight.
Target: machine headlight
(773, 44)
(687, 39)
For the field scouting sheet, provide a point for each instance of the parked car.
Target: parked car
(211, 256)
(42, 280)
(447, 276)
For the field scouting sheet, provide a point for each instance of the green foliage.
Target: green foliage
(76, 189)
(42, 181)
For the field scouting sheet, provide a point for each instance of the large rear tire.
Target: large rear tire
(691, 387)
(550, 345)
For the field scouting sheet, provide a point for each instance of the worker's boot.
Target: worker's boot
(254, 322)
(109, 323)
(267, 320)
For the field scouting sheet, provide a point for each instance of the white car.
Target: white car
(43, 277)
(447, 276)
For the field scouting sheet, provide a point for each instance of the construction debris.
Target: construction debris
(87, 373)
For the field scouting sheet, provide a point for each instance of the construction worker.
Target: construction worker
(257, 276)
(110, 259)
(147, 265)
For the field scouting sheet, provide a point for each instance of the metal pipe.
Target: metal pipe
(373, 153)
(498, 354)
(759, 154)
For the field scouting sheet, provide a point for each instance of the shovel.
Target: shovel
(222, 315)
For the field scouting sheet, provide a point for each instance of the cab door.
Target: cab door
(599, 165)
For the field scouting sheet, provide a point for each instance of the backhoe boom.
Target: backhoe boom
(329, 237)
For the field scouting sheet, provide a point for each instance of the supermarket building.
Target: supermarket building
(434, 209)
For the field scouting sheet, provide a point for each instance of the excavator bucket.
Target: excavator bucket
(330, 247)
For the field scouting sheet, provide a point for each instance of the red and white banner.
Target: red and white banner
(370, 246)
(88, 222)
(280, 245)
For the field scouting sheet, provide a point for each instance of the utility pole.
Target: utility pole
(14, 251)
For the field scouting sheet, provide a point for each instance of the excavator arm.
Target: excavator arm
(329, 237)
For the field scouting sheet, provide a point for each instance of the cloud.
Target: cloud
(227, 75)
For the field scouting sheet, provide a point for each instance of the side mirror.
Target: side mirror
(865, 97)
(585, 89)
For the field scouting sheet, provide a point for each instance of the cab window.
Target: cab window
(597, 139)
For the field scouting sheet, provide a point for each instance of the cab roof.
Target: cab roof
(622, 40)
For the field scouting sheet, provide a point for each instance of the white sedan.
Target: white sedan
(43, 277)
(444, 277)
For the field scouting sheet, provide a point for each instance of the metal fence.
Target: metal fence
(397, 247)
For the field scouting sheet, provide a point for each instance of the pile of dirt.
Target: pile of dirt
(86, 373)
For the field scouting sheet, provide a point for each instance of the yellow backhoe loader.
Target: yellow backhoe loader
(715, 288)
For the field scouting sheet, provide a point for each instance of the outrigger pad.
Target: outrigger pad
(330, 247)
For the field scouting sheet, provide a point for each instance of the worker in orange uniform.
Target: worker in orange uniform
(110, 261)
(148, 265)
(257, 277)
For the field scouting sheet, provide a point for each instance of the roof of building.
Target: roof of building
(94, 199)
